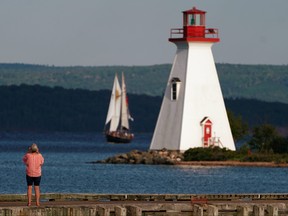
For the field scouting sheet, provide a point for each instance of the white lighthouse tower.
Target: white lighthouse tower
(193, 112)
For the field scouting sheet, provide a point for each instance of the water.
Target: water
(66, 169)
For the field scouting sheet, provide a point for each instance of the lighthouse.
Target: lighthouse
(193, 112)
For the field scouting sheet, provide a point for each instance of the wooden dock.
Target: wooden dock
(147, 205)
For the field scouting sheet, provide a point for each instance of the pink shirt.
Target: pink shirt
(33, 162)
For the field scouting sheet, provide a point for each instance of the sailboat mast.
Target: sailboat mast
(124, 107)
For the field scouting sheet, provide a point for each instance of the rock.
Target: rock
(124, 156)
(150, 157)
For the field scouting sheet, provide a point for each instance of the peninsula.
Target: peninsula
(165, 157)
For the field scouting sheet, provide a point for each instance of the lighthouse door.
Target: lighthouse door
(207, 131)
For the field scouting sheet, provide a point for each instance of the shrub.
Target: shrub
(209, 154)
(280, 145)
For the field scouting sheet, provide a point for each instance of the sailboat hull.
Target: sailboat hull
(119, 137)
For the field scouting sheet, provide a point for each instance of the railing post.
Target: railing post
(212, 210)
(242, 211)
(120, 211)
(134, 211)
(272, 210)
(197, 210)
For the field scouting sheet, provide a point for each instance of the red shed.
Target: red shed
(206, 124)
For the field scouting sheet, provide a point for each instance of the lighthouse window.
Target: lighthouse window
(196, 19)
(175, 87)
(192, 20)
(174, 91)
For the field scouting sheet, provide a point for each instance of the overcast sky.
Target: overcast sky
(134, 32)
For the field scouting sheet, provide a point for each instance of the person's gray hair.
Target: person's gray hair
(34, 147)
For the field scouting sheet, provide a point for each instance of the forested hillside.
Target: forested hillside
(262, 82)
(37, 108)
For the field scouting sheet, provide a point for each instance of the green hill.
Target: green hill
(38, 108)
(262, 82)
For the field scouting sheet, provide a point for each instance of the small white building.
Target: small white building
(193, 112)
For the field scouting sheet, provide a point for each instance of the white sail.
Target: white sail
(113, 114)
(124, 110)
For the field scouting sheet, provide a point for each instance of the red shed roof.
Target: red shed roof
(206, 120)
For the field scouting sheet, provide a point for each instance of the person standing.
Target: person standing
(33, 160)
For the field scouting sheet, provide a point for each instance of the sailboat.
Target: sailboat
(117, 128)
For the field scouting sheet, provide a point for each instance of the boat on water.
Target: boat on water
(117, 129)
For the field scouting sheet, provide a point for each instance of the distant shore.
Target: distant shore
(230, 163)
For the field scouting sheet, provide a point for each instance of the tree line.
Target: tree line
(38, 108)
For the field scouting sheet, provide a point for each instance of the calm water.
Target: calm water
(65, 169)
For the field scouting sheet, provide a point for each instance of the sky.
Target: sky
(133, 32)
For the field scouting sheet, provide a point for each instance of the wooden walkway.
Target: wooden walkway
(147, 205)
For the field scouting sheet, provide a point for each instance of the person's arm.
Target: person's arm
(25, 159)
(42, 159)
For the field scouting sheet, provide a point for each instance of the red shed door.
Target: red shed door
(207, 132)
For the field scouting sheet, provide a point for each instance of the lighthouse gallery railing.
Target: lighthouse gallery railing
(179, 33)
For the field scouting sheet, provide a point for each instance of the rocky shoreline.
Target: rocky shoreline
(166, 157)
(145, 157)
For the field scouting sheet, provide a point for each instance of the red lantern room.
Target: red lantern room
(194, 23)
(194, 28)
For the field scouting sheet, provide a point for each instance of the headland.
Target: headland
(165, 157)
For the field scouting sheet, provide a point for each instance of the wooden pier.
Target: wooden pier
(147, 205)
